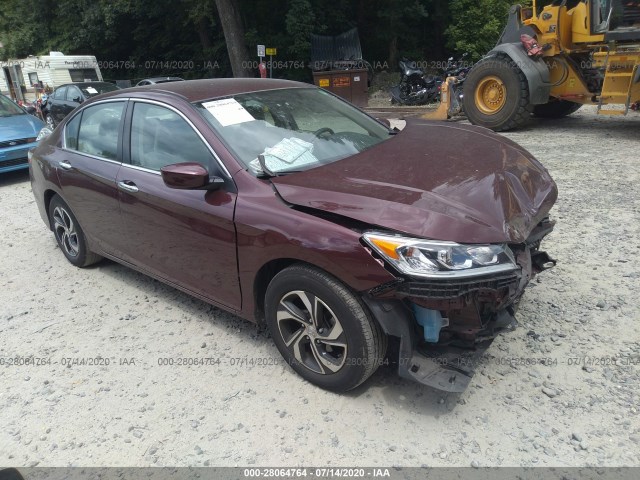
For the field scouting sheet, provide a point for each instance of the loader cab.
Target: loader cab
(616, 19)
(590, 21)
(623, 21)
(601, 11)
(540, 5)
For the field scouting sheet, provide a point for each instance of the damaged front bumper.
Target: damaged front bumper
(446, 325)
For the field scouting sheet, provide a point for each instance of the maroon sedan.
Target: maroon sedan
(279, 202)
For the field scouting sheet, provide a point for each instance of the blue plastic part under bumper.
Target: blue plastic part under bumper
(431, 321)
(15, 158)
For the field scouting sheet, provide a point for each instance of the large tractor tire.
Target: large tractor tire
(496, 95)
(556, 109)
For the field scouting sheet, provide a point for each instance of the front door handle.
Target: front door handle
(128, 186)
(65, 165)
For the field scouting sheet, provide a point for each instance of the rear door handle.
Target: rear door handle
(65, 165)
(128, 186)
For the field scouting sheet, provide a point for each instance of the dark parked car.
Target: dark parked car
(18, 133)
(278, 201)
(156, 80)
(67, 97)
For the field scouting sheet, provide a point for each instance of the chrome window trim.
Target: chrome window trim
(143, 169)
(95, 157)
(64, 130)
(190, 123)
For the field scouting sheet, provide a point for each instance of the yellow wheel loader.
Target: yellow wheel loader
(553, 57)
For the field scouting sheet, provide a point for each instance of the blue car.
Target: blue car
(18, 134)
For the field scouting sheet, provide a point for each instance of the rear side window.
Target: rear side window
(99, 131)
(71, 133)
(83, 74)
(160, 137)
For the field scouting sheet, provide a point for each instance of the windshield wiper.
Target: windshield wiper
(265, 169)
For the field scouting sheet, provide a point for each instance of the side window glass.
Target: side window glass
(73, 94)
(100, 130)
(161, 137)
(71, 133)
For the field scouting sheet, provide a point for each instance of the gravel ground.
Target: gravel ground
(563, 412)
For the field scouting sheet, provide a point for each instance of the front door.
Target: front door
(184, 236)
(73, 98)
(57, 108)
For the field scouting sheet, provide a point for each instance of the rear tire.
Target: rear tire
(69, 234)
(322, 329)
(496, 95)
(556, 109)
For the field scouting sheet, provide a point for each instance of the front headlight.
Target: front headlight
(436, 259)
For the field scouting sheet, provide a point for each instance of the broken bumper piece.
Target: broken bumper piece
(446, 368)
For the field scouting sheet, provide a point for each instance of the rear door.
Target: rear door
(184, 236)
(87, 168)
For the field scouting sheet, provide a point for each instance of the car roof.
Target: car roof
(199, 90)
(161, 79)
(88, 84)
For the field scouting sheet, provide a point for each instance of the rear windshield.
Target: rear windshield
(292, 129)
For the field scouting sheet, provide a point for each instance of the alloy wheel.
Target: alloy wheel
(312, 332)
(50, 122)
(66, 231)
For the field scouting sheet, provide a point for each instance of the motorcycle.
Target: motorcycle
(416, 88)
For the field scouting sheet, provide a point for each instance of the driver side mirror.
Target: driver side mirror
(189, 176)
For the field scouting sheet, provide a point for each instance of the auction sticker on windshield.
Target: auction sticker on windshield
(228, 111)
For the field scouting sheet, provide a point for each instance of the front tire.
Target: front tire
(50, 123)
(496, 95)
(322, 329)
(556, 109)
(69, 234)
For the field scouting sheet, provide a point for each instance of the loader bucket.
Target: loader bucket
(444, 110)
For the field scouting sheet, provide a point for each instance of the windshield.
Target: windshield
(292, 129)
(8, 108)
(94, 89)
(600, 16)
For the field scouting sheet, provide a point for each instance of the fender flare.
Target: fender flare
(536, 71)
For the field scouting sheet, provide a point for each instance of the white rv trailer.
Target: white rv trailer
(26, 78)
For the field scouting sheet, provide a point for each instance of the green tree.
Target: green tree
(300, 22)
(476, 25)
(400, 19)
(226, 31)
(24, 27)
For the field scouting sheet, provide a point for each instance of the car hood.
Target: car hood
(19, 126)
(433, 180)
